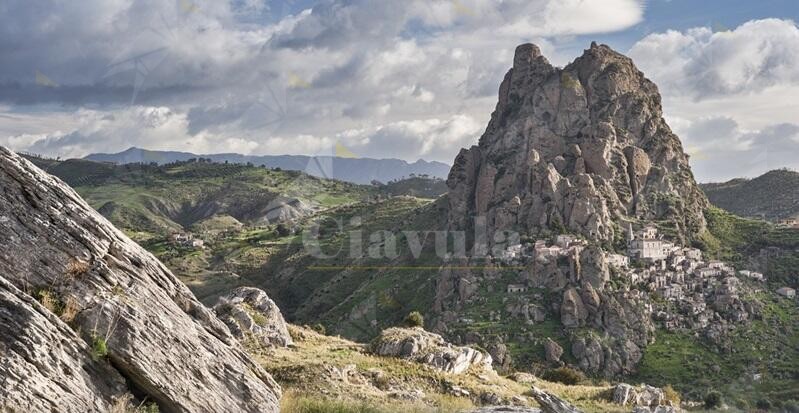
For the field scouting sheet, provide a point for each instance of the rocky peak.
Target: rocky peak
(578, 149)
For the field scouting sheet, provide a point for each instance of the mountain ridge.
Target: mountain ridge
(356, 170)
(773, 196)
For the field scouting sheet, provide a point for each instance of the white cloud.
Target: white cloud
(730, 95)
(420, 77)
(702, 63)
(721, 149)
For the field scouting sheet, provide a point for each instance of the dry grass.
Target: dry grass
(76, 268)
(70, 310)
(330, 374)
(49, 301)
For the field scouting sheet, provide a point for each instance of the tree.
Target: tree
(712, 399)
(414, 319)
(283, 229)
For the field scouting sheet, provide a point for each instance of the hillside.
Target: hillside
(159, 199)
(773, 196)
(356, 170)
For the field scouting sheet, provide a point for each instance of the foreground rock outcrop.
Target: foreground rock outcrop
(645, 395)
(45, 365)
(552, 404)
(126, 312)
(428, 348)
(250, 313)
(582, 149)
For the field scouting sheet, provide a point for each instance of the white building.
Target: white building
(646, 246)
(787, 292)
(619, 260)
(516, 288)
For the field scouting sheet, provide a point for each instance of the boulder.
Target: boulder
(428, 348)
(144, 323)
(552, 351)
(552, 404)
(250, 313)
(645, 395)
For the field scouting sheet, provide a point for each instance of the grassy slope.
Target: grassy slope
(310, 373)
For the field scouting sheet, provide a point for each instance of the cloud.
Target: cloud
(270, 76)
(721, 149)
(702, 63)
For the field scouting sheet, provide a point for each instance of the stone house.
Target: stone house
(517, 288)
(787, 292)
(618, 260)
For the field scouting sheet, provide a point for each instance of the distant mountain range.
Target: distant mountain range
(772, 196)
(356, 170)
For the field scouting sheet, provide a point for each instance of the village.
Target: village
(687, 290)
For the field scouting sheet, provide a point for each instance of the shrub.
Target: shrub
(672, 396)
(50, 302)
(99, 348)
(283, 230)
(414, 319)
(319, 328)
(712, 399)
(565, 375)
(76, 268)
(790, 406)
(70, 310)
(763, 404)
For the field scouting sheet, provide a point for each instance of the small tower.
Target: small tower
(630, 233)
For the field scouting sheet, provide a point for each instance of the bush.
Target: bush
(672, 396)
(763, 404)
(283, 230)
(319, 328)
(99, 348)
(414, 319)
(565, 375)
(77, 268)
(712, 399)
(790, 406)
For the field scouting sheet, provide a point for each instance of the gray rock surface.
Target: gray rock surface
(552, 404)
(45, 366)
(158, 336)
(579, 148)
(645, 395)
(250, 313)
(552, 351)
(428, 348)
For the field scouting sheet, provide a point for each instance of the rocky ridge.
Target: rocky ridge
(429, 348)
(123, 315)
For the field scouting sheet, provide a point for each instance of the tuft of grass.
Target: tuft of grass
(70, 310)
(50, 301)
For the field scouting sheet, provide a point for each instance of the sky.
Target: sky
(406, 79)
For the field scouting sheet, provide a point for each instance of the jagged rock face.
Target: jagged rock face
(250, 313)
(429, 348)
(575, 149)
(158, 336)
(45, 365)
